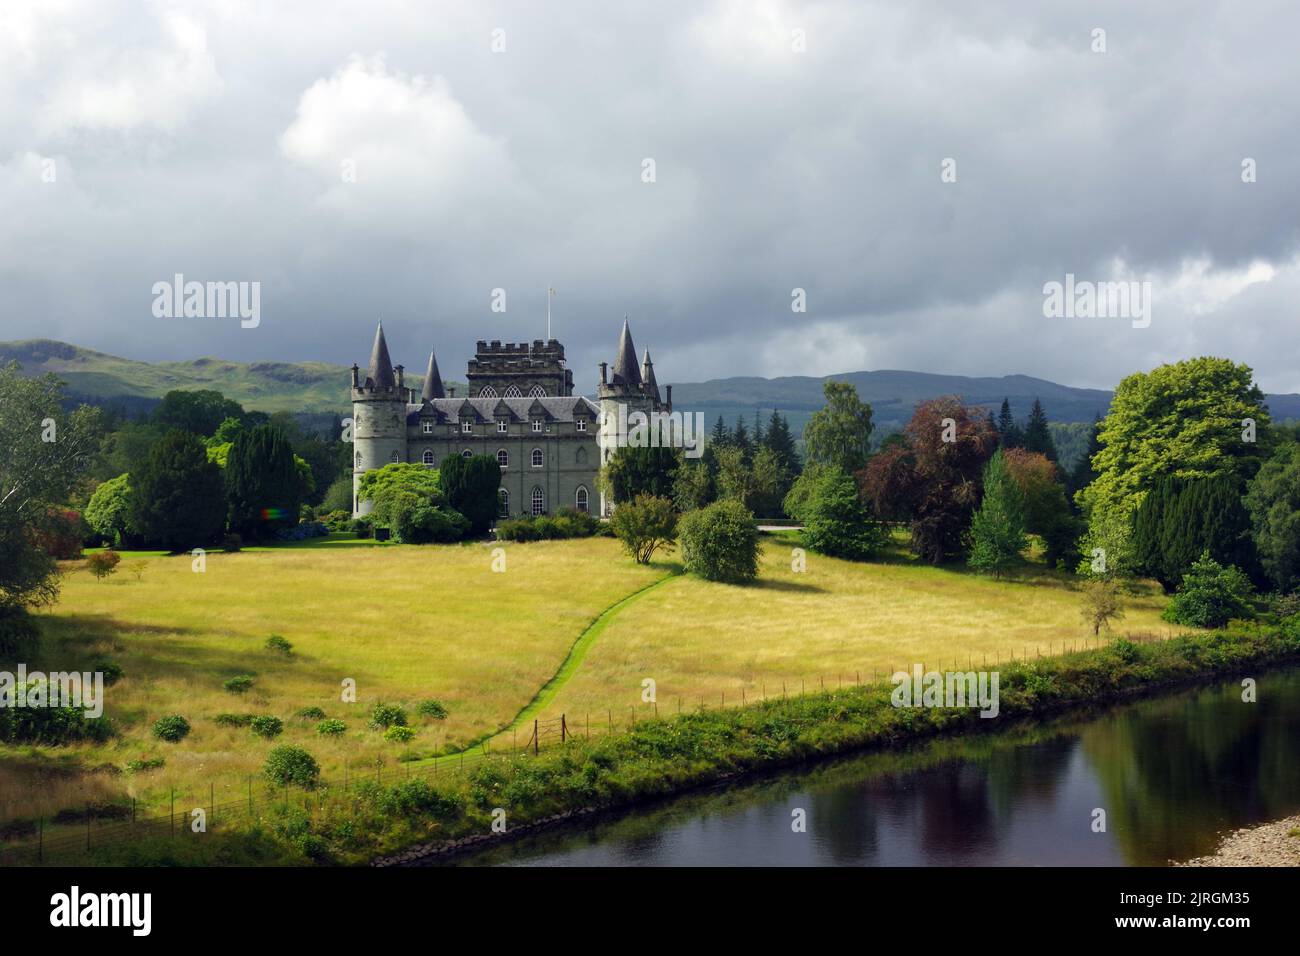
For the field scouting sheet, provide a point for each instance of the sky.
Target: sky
(763, 188)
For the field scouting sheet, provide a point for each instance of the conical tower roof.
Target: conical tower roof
(626, 369)
(381, 366)
(648, 376)
(432, 381)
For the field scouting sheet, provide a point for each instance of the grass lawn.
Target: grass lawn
(406, 623)
(836, 620)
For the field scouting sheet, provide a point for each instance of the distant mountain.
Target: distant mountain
(321, 387)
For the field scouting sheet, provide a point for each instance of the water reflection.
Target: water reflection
(1171, 773)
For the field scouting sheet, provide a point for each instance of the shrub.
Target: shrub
(102, 564)
(387, 715)
(278, 644)
(302, 531)
(239, 685)
(339, 520)
(1210, 595)
(287, 765)
(432, 708)
(234, 720)
(231, 543)
(19, 634)
(331, 727)
(1101, 603)
(399, 734)
(111, 670)
(363, 527)
(310, 713)
(144, 764)
(644, 525)
(172, 728)
(267, 726)
(835, 521)
(720, 542)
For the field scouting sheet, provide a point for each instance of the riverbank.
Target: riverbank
(1270, 844)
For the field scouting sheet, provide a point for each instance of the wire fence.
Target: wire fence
(72, 833)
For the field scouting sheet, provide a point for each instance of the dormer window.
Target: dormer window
(537, 424)
(467, 428)
(428, 428)
(581, 424)
(501, 427)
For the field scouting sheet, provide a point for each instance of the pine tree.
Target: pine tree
(1009, 434)
(721, 434)
(1179, 519)
(176, 499)
(997, 530)
(740, 439)
(1083, 474)
(781, 442)
(1037, 436)
(263, 485)
(760, 439)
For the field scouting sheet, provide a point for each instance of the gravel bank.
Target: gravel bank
(1266, 845)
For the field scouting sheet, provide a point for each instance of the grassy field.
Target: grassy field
(835, 621)
(413, 623)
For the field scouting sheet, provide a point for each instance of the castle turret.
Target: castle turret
(630, 388)
(432, 381)
(378, 418)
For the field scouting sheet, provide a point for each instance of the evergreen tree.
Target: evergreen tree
(1009, 434)
(760, 439)
(176, 494)
(1180, 519)
(471, 486)
(263, 483)
(740, 439)
(1037, 436)
(721, 434)
(1083, 473)
(997, 530)
(781, 442)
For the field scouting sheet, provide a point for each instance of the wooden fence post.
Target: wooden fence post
(536, 742)
(564, 730)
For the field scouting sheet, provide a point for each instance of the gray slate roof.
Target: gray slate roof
(558, 408)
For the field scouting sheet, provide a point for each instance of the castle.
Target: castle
(520, 409)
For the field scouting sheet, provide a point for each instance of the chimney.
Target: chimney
(669, 390)
(355, 370)
(451, 391)
(400, 370)
(604, 371)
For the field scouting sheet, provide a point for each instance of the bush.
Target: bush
(287, 765)
(234, 720)
(267, 726)
(339, 520)
(310, 713)
(240, 684)
(111, 670)
(362, 527)
(387, 715)
(432, 708)
(231, 543)
(644, 525)
(302, 531)
(720, 542)
(144, 764)
(1210, 595)
(103, 564)
(172, 728)
(399, 734)
(19, 634)
(331, 727)
(835, 521)
(278, 644)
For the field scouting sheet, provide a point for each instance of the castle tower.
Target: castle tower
(378, 417)
(631, 387)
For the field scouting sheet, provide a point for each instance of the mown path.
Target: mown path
(505, 736)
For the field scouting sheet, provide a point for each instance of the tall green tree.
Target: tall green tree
(1009, 434)
(997, 529)
(177, 499)
(263, 482)
(471, 486)
(839, 433)
(640, 470)
(109, 510)
(1179, 520)
(779, 439)
(1037, 436)
(1273, 500)
(200, 411)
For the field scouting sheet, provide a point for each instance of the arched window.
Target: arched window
(503, 503)
(513, 392)
(427, 457)
(539, 502)
(580, 499)
(537, 392)
(581, 456)
(358, 459)
(396, 458)
(487, 391)
(503, 458)
(538, 458)
(466, 454)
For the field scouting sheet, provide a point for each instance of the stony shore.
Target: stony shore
(1269, 844)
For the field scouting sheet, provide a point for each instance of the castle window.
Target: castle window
(467, 427)
(513, 392)
(501, 427)
(358, 459)
(537, 424)
(428, 428)
(581, 424)
(581, 456)
(537, 458)
(580, 499)
(427, 458)
(539, 502)
(466, 454)
(503, 503)
(537, 392)
(487, 391)
(396, 458)
(503, 458)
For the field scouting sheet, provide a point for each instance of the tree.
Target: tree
(201, 411)
(1210, 595)
(1046, 506)
(408, 500)
(177, 500)
(997, 529)
(1183, 420)
(43, 450)
(839, 433)
(103, 563)
(1181, 518)
(1273, 500)
(756, 483)
(1083, 474)
(779, 439)
(263, 482)
(740, 438)
(800, 495)
(640, 470)
(109, 511)
(471, 486)
(1009, 434)
(645, 525)
(402, 476)
(721, 434)
(836, 523)
(1101, 603)
(1037, 436)
(693, 485)
(720, 542)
